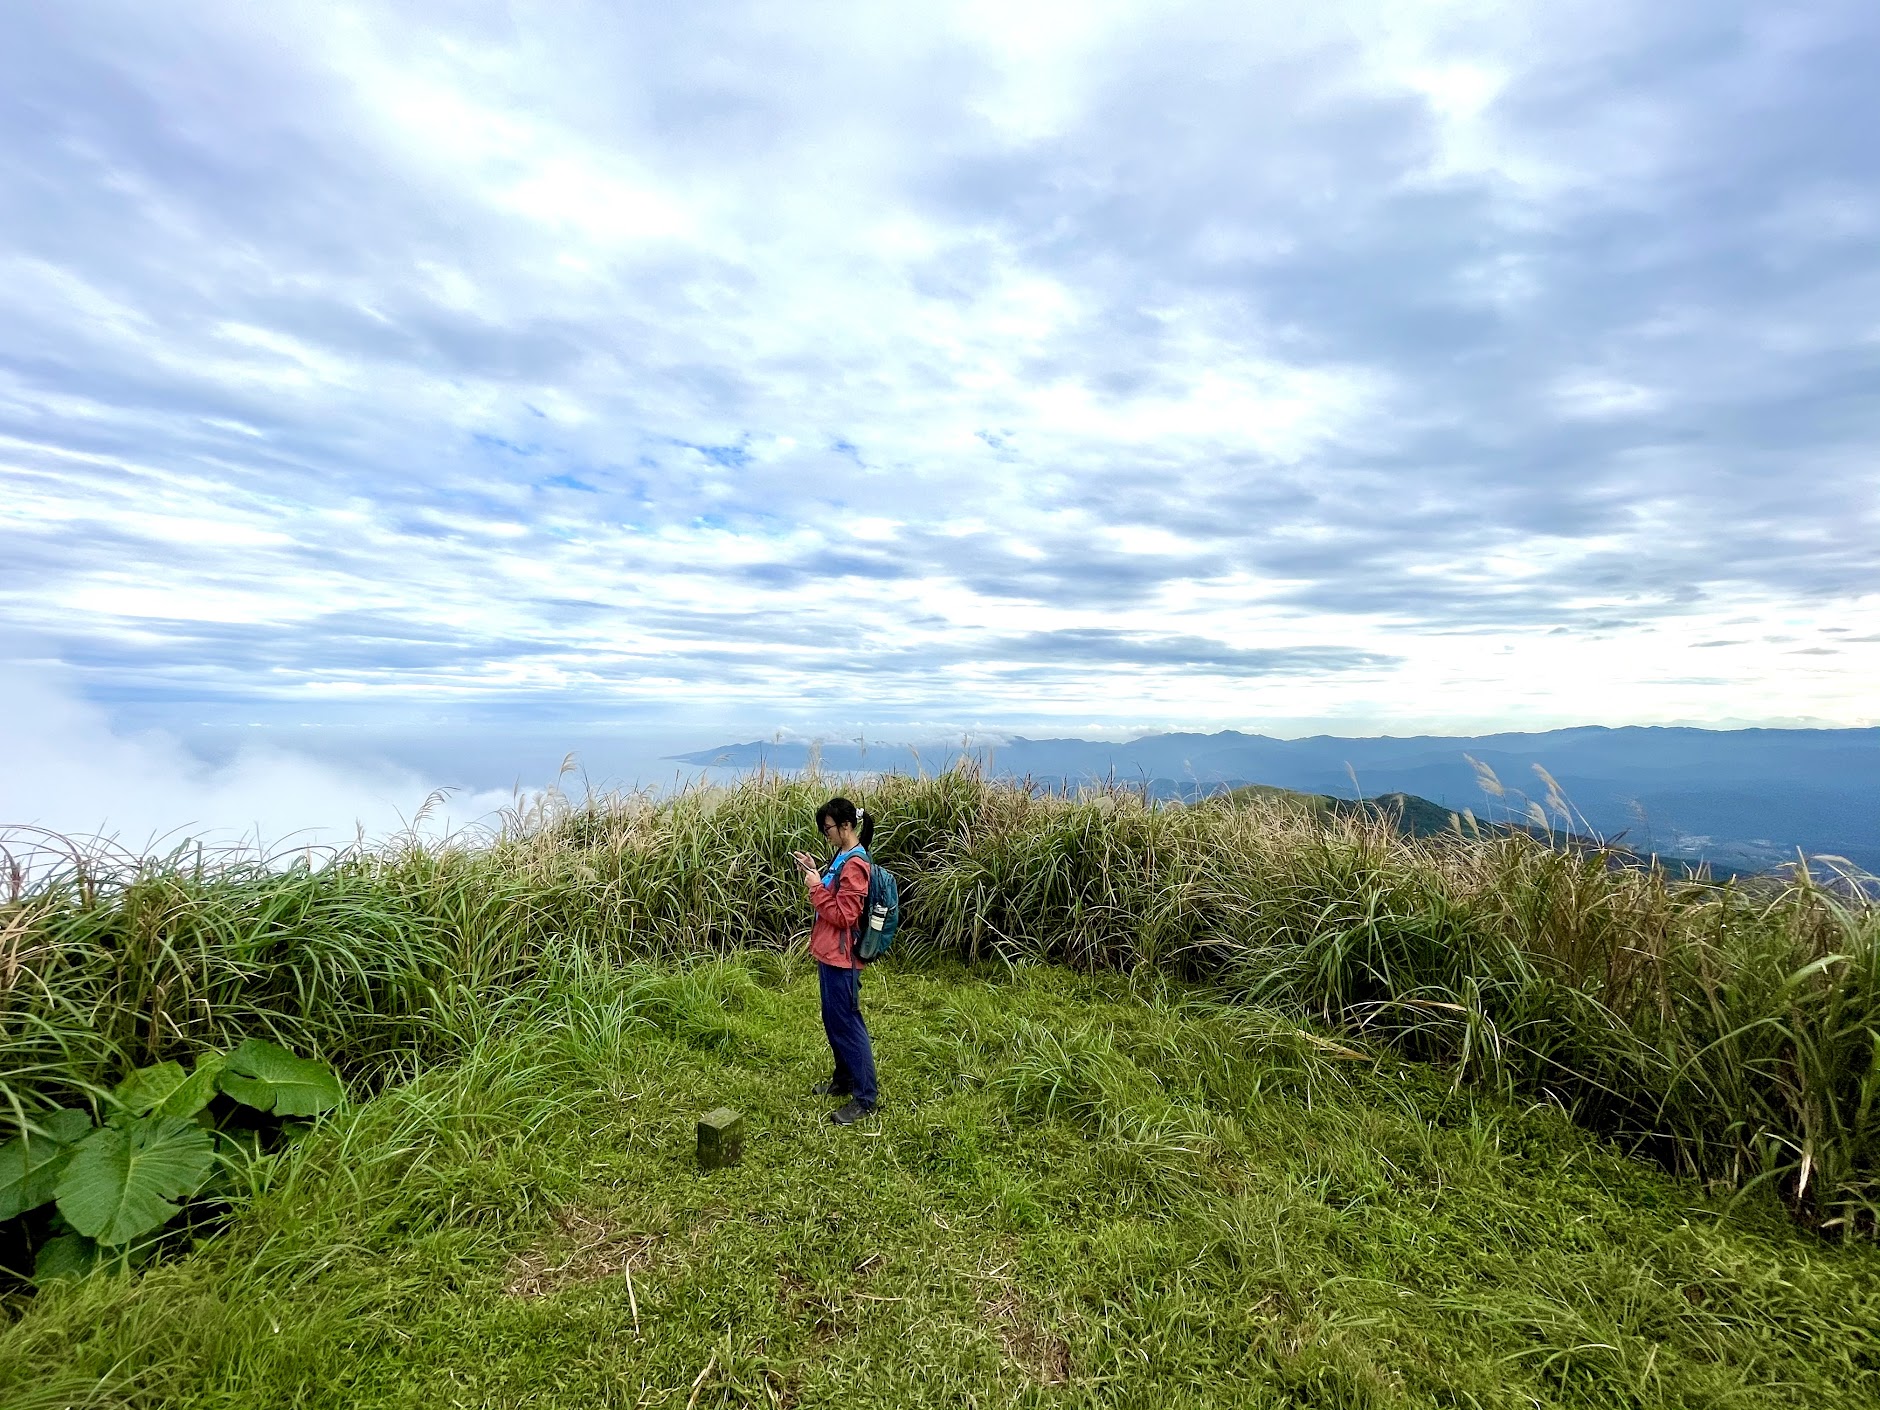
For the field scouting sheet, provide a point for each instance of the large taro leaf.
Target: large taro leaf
(68, 1256)
(145, 1088)
(166, 1090)
(121, 1181)
(30, 1165)
(197, 1090)
(270, 1078)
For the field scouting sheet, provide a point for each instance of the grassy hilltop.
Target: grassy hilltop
(1078, 1192)
(1223, 1104)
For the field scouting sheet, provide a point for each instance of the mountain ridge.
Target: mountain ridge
(1744, 799)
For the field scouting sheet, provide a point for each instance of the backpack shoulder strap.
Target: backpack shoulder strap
(832, 877)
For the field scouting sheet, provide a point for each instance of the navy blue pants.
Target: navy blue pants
(848, 1035)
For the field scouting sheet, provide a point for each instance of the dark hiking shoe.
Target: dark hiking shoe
(849, 1113)
(829, 1089)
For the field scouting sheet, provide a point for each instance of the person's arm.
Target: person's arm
(843, 906)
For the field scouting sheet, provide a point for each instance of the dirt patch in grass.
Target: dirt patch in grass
(1040, 1353)
(829, 1313)
(800, 1300)
(583, 1247)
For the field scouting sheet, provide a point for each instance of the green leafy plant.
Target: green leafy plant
(272, 1079)
(106, 1192)
(30, 1169)
(120, 1183)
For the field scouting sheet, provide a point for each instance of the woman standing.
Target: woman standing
(839, 892)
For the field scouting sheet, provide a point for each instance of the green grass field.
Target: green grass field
(1081, 1189)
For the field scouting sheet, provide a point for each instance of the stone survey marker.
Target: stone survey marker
(720, 1138)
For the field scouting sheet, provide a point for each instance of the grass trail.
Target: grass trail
(1074, 1194)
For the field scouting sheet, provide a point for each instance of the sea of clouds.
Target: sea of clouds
(73, 774)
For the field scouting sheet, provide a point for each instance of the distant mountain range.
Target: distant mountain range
(1745, 800)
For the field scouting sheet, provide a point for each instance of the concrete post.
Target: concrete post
(720, 1139)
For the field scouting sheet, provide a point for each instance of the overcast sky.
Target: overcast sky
(714, 368)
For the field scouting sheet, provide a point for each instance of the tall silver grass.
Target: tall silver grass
(1731, 1031)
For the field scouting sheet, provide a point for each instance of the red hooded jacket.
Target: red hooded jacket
(832, 937)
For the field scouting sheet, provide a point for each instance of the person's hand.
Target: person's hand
(806, 864)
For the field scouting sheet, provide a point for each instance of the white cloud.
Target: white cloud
(1598, 395)
(633, 352)
(70, 772)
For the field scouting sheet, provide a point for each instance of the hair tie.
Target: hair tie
(860, 813)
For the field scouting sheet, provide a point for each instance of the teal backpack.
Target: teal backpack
(881, 914)
(881, 909)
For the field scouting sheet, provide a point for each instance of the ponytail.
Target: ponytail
(843, 813)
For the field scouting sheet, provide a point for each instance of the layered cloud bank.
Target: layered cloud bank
(1379, 366)
(72, 778)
